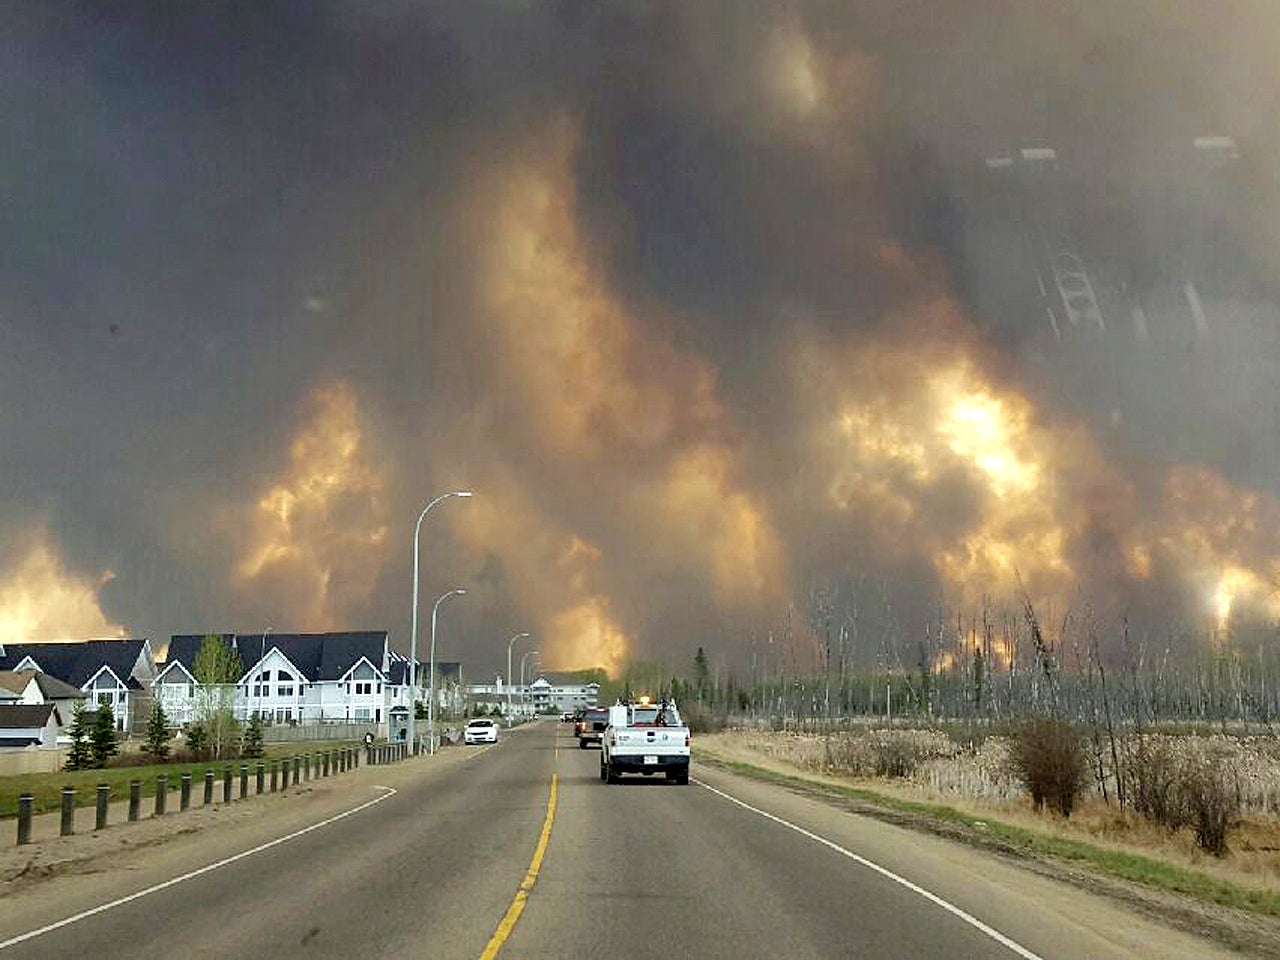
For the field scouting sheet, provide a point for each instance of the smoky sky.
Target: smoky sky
(213, 211)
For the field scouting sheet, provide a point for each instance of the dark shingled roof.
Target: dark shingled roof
(16, 716)
(75, 663)
(50, 687)
(320, 656)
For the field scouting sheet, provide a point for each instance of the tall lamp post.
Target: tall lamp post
(431, 697)
(510, 643)
(413, 642)
(262, 655)
(524, 691)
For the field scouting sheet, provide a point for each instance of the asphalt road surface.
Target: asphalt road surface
(435, 861)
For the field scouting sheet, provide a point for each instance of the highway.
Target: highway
(437, 857)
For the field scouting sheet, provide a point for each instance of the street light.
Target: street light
(510, 643)
(262, 655)
(524, 692)
(431, 697)
(413, 642)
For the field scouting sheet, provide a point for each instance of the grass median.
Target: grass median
(46, 788)
(990, 832)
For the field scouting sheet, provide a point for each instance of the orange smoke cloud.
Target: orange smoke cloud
(941, 460)
(319, 531)
(612, 404)
(1223, 542)
(41, 600)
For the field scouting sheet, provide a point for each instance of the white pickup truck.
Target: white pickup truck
(646, 738)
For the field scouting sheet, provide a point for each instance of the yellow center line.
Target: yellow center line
(526, 885)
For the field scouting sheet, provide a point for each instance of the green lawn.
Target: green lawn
(46, 788)
(1146, 871)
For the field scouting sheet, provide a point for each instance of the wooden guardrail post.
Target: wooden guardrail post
(244, 780)
(68, 826)
(208, 787)
(297, 768)
(101, 806)
(259, 774)
(25, 802)
(226, 784)
(135, 800)
(275, 775)
(184, 794)
(162, 793)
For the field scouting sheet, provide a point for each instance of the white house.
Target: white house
(34, 688)
(29, 724)
(293, 678)
(547, 692)
(116, 673)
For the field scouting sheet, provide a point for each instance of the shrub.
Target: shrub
(197, 740)
(1048, 756)
(1210, 803)
(1153, 782)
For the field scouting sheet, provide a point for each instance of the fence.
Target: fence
(314, 732)
(26, 760)
(239, 781)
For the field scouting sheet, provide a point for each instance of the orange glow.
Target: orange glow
(915, 428)
(41, 600)
(1223, 541)
(601, 394)
(319, 532)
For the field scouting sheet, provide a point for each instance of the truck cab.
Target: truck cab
(645, 738)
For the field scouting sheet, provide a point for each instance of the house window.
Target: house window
(284, 686)
(364, 689)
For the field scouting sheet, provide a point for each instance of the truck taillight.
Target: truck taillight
(613, 740)
(686, 739)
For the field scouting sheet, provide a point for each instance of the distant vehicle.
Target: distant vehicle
(645, 738)
(590, 729)
(480, 730)
(567, 717)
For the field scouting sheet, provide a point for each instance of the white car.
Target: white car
(480, 731)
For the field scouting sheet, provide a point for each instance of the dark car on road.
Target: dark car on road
(590, 729)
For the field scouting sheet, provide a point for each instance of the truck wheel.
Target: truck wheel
(582, 744)
(609, 775)
(604, 775)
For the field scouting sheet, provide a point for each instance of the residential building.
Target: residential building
(116, 673)
(561, 692)
(33, 687)
(293, 677)
(547, 692)
(29, 725)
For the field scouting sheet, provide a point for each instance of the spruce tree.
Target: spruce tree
(197, 740)
(251, 749)
(102, 739)
(79, 757)
(157, 742)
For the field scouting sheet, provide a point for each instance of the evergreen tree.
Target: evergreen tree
(79, 758)
(701, 674)
(102, 738)
(251, 748)
(197, 740)
(157, 742)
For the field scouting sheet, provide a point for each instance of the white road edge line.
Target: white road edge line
(951, 908)
(208, 868)
(478, 752)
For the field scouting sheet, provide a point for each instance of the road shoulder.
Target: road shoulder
(1235, 929)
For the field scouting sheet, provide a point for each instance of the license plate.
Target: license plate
(651, 761)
